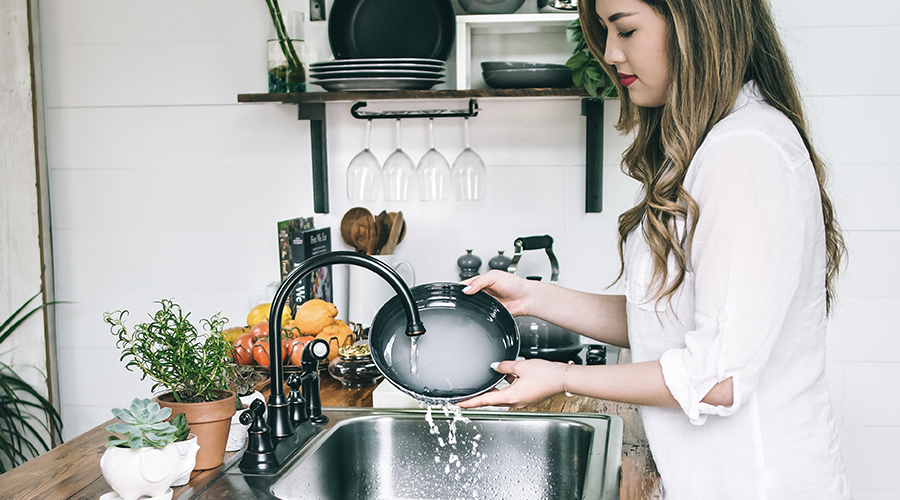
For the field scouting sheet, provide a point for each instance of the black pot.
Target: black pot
(540, 339)
(463, 335)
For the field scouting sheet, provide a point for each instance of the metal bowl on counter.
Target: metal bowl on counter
(451, 361)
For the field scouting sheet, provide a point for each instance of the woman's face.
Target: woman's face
(636, 45)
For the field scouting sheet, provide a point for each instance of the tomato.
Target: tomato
(243, 349)
(261, 352)
(295, 348)
(260, 329)
(291, 331)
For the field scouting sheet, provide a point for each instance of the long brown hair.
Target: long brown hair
(714, 47)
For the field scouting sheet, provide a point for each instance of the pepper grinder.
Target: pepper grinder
(469, 265)
(499, 261)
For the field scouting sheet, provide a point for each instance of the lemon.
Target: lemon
(261, 313)
(231, 334)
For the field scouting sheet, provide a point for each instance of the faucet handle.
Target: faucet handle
(293, 381)
(260, 447)
(296, 401)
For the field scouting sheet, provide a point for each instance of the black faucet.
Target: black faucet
(277, 440)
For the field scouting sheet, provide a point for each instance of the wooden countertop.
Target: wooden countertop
(72, 470)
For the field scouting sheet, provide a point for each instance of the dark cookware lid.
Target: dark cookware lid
(362, 29)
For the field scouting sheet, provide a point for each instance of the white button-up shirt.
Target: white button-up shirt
(752, 307)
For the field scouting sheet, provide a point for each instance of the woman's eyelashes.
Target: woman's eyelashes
(626, 34)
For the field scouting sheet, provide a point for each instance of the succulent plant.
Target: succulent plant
(144, 426)
(180, 422)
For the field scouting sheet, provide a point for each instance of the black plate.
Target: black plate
(364, 29)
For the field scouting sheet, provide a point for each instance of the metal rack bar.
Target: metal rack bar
(423, 113)
(592, 109)
(315, 113)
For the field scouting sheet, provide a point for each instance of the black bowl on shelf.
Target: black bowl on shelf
(520, 75)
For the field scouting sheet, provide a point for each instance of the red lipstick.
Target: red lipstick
(626, 80)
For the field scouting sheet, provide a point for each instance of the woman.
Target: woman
(729, 259)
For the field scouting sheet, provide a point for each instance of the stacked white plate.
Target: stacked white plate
(377, 74)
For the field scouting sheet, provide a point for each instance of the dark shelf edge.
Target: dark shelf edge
(295, 97)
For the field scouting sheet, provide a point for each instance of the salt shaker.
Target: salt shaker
(499, 261)
(469, 265)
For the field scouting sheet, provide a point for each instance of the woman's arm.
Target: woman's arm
(638, 383)
(600, 317)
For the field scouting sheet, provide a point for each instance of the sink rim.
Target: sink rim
(606, 442)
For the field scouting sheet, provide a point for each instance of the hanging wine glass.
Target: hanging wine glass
(434, 172)
(398, 173)
(469, 172)
(364, 173)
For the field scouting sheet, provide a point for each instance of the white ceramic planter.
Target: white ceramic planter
(134, 473)
(237, 436)
(186, 449)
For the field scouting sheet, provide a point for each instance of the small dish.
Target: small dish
(495, 65)
(519, 78)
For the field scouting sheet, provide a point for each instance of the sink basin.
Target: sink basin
(396, 454)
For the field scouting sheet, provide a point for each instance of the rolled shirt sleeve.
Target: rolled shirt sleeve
(746, 258)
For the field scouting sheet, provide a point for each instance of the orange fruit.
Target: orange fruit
(338, 335)
(314, 315)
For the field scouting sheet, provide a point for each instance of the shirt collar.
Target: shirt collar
(749, 93)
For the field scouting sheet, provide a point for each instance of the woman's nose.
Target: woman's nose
(613, 54)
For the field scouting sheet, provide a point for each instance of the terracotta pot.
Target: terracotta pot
(210, 421)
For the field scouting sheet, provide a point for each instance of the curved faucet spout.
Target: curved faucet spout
(280, 424)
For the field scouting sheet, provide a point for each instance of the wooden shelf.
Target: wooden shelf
(300, 97)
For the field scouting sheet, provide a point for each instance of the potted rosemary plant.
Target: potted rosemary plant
(144, 456)
(190, 363)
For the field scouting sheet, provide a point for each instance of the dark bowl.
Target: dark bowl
(464, 334)
(519, 78)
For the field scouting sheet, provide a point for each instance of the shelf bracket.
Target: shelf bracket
(424, 113)
(592, 109)
(315, 113)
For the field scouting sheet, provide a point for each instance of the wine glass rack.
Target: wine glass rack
(311, 107)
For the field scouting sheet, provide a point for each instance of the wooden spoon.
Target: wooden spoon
(402, 230)
(383, 221)
(394, 238)
(358, 229)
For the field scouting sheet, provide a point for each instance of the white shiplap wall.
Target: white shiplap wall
(163, 186)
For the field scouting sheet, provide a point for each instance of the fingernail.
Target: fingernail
(467, 289)
(494, 365)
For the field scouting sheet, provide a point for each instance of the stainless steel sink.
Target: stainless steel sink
(393, 454)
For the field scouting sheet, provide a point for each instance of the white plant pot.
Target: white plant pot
(186, 449)
(237, 436)
(134, 473)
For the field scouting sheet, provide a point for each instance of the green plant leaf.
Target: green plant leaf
(25, 415)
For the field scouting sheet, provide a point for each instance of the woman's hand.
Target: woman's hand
(531, 381)
(511, 290)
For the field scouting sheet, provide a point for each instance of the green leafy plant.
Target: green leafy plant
(243, 378)
(180, 422)
(586, 70)
(174, 353)
(145, 426)
(25, 415)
